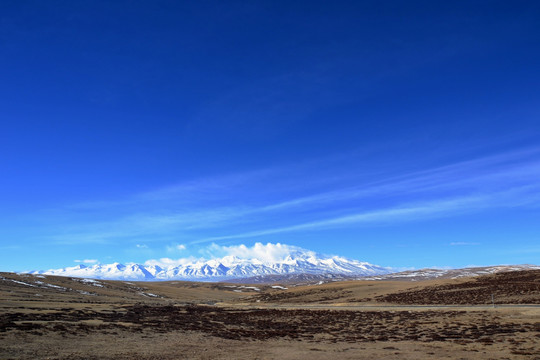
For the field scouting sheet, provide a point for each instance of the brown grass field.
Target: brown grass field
(47, 317)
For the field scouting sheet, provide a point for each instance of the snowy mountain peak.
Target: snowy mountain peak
(243, 262)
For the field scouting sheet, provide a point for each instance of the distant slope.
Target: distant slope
(515, 287)
(47, 289)
(295, 279)
(411, 275)
(429, 274)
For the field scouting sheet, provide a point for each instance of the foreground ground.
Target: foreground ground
(62, 318)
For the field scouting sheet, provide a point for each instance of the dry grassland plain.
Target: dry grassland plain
(47, 317)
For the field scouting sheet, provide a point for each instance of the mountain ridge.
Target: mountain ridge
(226, 268)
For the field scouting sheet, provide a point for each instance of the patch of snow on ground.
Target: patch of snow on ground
(85, 292)
(91, 282)
(250, 288)
(20, 282)
(279, 287)
(51, 285)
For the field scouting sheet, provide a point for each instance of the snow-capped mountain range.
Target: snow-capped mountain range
(225, 268)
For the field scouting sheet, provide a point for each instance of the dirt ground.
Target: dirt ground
(209, 332)
(123, 320)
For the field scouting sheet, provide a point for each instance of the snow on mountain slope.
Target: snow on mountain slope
(298, 261)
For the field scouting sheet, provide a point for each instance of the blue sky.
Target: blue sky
(403, 133)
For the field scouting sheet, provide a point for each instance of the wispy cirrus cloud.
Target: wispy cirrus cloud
(525, 196)
(404, 213)
(492, 172)
(269, 202)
